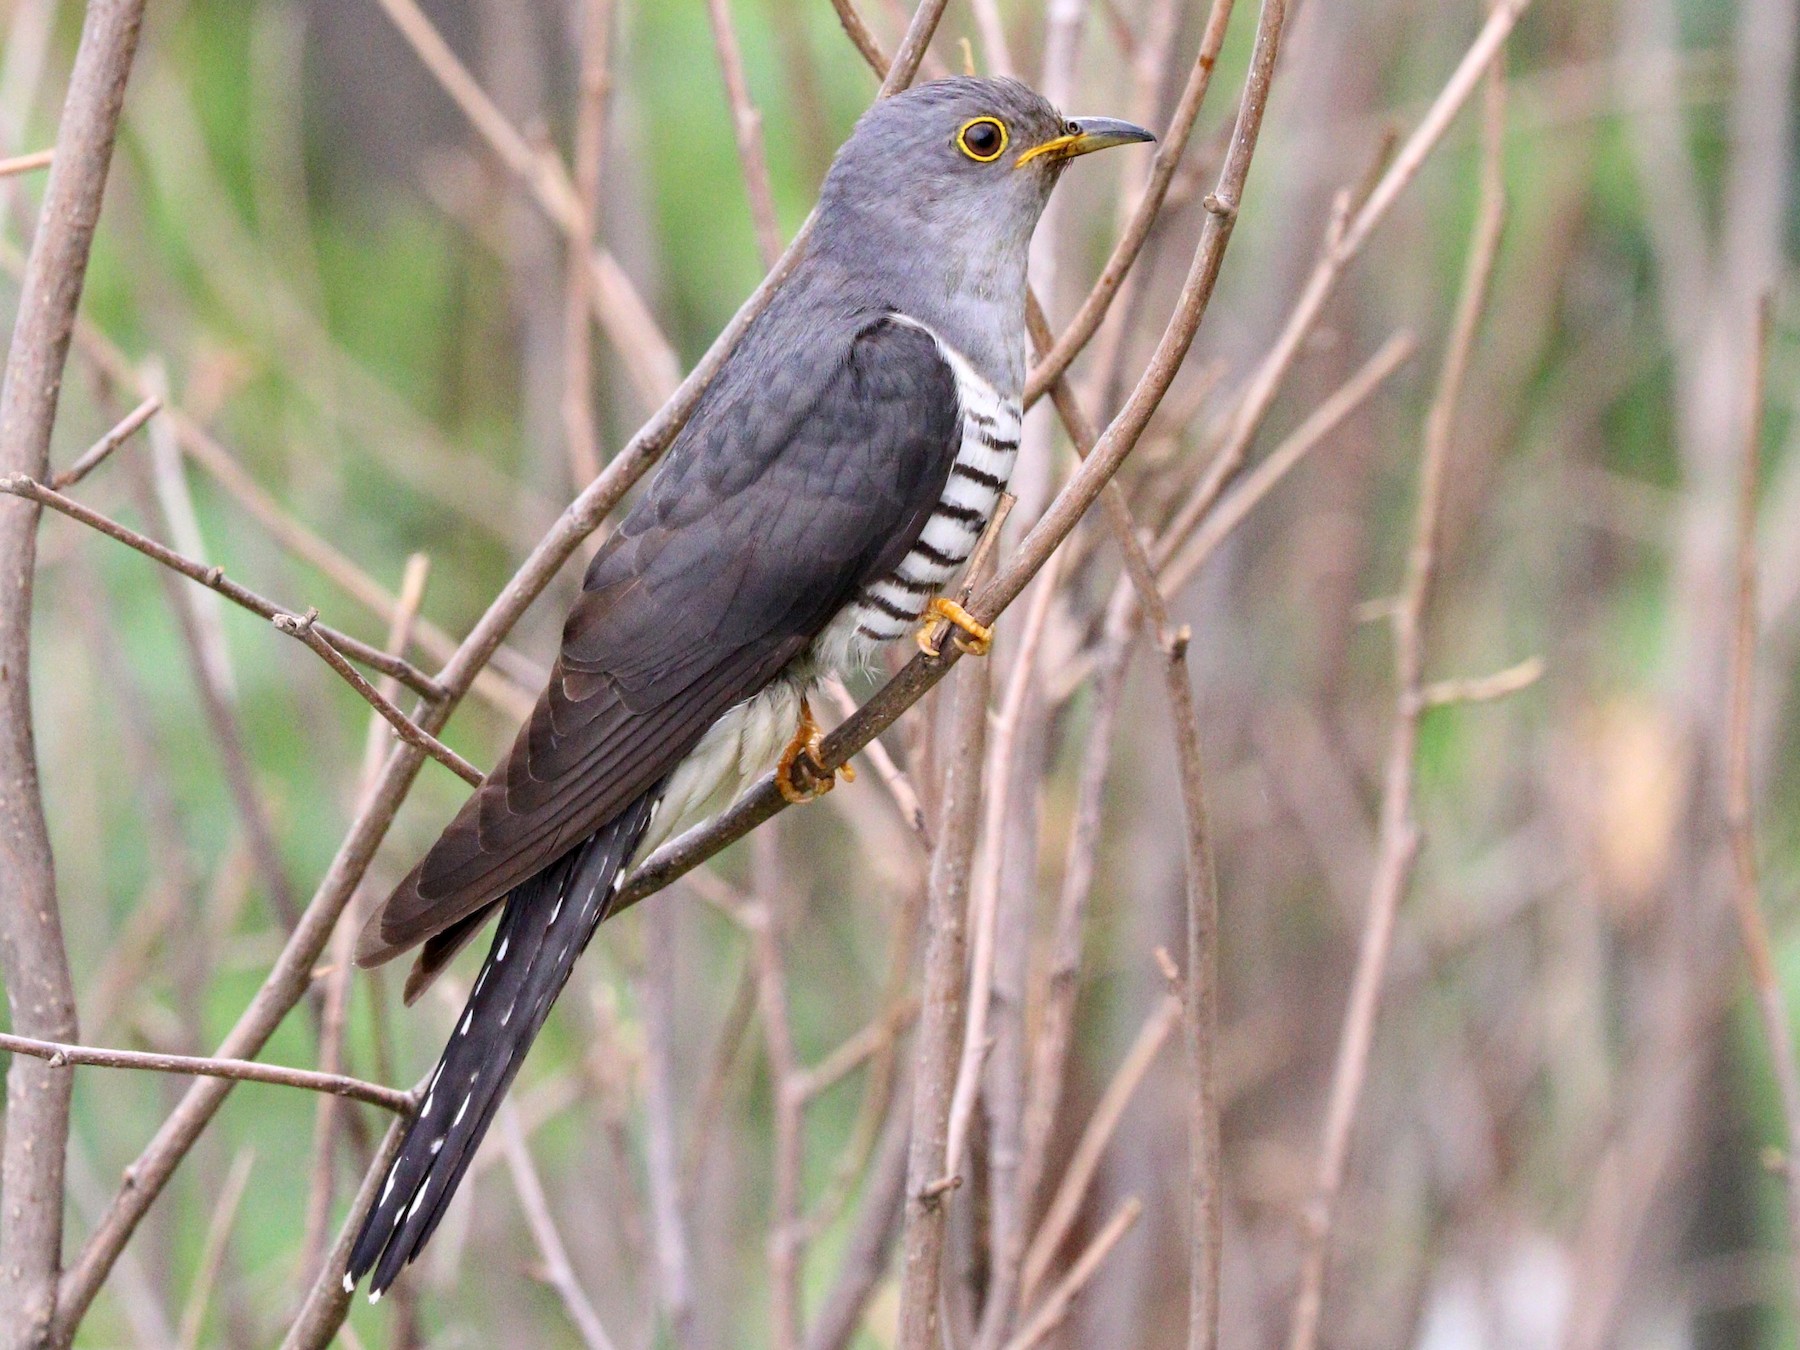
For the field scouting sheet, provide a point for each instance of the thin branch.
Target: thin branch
(334, 1019)
(746, 122)
(581, 435)
(941, 1014)
(1081, 329)
(212, 1250)
(18, 164)
(558, 1273)
(58, 1054)
(1230, 511)
(1200, 1008)
(1484, 688)
(871, 1237)
(327, 1301)
(861, 38)
(1753, 928)
(1056, 1304)
(1399, 834)
(1349, 231)
(214, 578)
(97, 453)
(787, 1237)
(33, 961)
(640, 342)
(305, 628)
(1084, 1163)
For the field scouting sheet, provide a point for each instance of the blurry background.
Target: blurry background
(1563, 1138)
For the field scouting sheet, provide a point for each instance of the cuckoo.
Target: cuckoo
(830, 485)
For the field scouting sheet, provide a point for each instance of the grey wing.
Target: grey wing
(784, 500)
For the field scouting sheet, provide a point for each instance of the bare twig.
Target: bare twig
(33, 962)
(1484, 688)
(59, 1054)
(1200, 1008)
(18, 164)
(941, 1014)
(305, 628)
(866, 1251)
(212, 1250)
(746, 122)
(641, 344)
(558, 1273)
(332, 1023)
(96, 454)
(1753, 928)
(214, 578)
(1399, 835)
(1093, 311)
(579, 432)
(1056, 1304)
(1348, 232)
(1085, 1161)
(1302, 441)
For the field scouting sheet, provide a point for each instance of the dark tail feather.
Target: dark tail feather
(546, 924)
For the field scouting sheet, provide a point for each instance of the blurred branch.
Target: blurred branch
(1229, 513)
(1081, 329)
(340, 956)
(18, 164)
(1398, 844)
(96, 454)
(861, 38)
(328, 1301)
(33, 961)
(1084, 1162)
(212, 1250)
(214, 578)
(1350, 227)
(305, 628)
(58, 1054)
(1056, 1304)
(581, 435)
(1753, 928)
(871, 1237)
(747, 124)
(640, 342)
(558, 1273)
(1484, 688)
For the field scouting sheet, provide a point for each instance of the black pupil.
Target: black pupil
(983, 138)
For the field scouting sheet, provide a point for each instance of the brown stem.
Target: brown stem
(1398, 843)
(33, 962)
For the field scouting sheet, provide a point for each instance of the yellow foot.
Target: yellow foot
(800, 775)
(974, 638)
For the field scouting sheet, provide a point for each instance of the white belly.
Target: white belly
(736, 750)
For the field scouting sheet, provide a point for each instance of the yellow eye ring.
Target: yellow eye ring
(985, 148)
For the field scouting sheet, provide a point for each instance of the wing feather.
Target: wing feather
(781, 500)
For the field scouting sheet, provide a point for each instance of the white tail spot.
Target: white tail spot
(500, 951)
(460, 1112)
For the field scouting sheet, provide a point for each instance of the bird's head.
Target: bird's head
(979, 156)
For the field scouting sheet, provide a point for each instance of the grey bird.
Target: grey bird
(829, 486)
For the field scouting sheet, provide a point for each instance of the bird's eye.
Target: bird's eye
(982, 139)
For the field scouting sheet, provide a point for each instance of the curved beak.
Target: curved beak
(1084, 136)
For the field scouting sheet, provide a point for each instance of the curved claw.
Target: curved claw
(973, 637)
(802, 753)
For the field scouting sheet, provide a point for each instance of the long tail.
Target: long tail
(545, 926)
